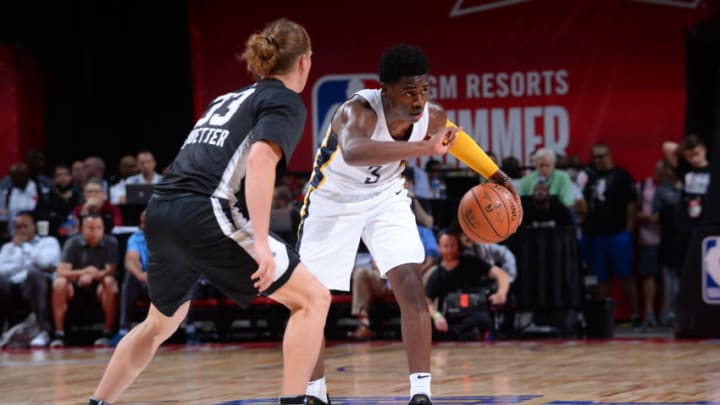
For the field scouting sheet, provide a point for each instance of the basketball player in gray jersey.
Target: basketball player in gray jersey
(193, 228)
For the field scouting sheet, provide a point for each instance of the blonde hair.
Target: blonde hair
(275, 49)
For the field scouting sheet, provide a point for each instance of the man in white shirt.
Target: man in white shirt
(26, 265)
(146, 164)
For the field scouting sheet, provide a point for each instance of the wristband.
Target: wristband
(436, 316)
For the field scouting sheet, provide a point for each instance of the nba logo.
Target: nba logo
(711, 269)
(329, 92)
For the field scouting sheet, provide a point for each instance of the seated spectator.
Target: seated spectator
(135, 285)
(87, 272)
(57, 206)
(79, 174)
(20, 194)
(558, 181)
(466, 275)
(96, 203)
(26, 265)
(146, 165)
(367, 285)
(544, 210)
(35, 160)
(493, 253)
(128, 166)
(285, 216)
(95, 168)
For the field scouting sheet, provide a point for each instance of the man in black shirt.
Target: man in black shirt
(606, 242)
(689, 162)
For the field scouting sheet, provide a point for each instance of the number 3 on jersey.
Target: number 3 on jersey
(223, 108)
(374, 173)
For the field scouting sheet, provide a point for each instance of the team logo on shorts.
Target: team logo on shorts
(329, 92)
(711, 269)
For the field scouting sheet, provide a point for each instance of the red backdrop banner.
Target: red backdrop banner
(9, 109)
(517, 74)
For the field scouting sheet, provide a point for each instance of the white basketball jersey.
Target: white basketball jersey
(332, 174)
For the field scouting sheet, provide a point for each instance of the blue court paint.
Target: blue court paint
(453, 400)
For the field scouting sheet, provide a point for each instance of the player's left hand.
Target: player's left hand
(265, 274)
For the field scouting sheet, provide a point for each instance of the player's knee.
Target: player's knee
(321, 301)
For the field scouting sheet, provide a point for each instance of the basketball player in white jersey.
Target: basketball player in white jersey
(356, 192)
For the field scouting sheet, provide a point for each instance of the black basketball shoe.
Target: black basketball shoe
(311, 400)
(420, 399)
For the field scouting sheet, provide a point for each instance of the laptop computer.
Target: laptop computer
(138, 194)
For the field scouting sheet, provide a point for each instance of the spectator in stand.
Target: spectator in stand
(95, 168)
(128, 166)
(35, 160)
(134, 285)
(147, 175)
(493, 253)
(285, 217)
(558, 180)
(607, 228)
(87, 272)
(689, 162)
(96, 203)
(79, 174)
(57, 206)
(21, 194)
(544, 210)
(666, 199)
(464, 274)
(648, 241)
(367, 284)
(26, 264)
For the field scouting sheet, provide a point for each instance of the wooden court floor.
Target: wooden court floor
(626, 371)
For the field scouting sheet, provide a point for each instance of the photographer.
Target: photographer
(462, 286)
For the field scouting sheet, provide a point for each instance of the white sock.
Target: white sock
(318, 389)
(420, 384)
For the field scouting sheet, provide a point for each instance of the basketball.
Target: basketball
(488, 213)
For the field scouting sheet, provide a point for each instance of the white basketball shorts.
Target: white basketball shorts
(331, 231)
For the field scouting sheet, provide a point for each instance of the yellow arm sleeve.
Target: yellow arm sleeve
(470, 153)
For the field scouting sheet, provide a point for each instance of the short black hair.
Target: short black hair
(402, 60)
(691, 141)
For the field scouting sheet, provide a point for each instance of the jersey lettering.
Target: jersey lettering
(223, 108)
(374, 173)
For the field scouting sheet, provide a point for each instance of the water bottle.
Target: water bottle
(435, 187)
(68, 227)
(442, 190)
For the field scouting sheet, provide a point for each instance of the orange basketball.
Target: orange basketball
(488, 213)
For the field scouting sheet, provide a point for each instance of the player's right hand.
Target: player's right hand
(265, 274)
